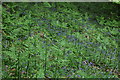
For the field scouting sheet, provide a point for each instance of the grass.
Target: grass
(60, 40)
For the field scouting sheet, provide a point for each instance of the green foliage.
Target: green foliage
(116, 1)
(60, 40)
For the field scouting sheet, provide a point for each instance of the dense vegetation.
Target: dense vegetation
(60, 40)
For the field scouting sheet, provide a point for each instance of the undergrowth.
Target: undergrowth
(60, 40)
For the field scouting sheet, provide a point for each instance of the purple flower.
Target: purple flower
(52, 66)
(90, 42)
(111, 72)
(37, 19)
(5, 46)
(68, 36)
(48, 44)
(89, 18)
(33, 73)
(90, 64)
(19, 39)
(113, 53)
(85, 62)
(23, 72)
(78, 76)
(108, 33)
(31, 34)
(80, 69)
(75, 39)
(46, 73)
(20, 25)
(66, 55)
(79, 43)
(25, 38)
(95, 21)
(53, 9)
(51, 29)
(44, 19)
(112, 57)
(23, 13)
(69, 75)
(44, 41)
(43, 46)
(37, 53)
(39, 24)
(83, 19)
(59, 34)
(69, 51)
(85, 46)
(64, 67)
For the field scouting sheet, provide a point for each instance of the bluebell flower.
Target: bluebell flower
(90, 64)
(23, 13)
(52, 66)
(39, 23)
(79, 43)
(46, 73)
(112, 57)
(78, 76)
(68, 36)
(111, 72)
(44, 19)
(37, 53)
(23, 72)
(44, 41)
(89, 18)
(13, 40)
(51, 29)
(31, 34)
(83, 19)
(103, 52)
(69, 51)
(5, 46)
(69, 75)
(20, 25)
(48, 44)
(25, 38)
(95, 21)
(75, 39)
(33, 73)
(86, 46)
(64, 67)
(37, 20)
(49, 24)
(90, 42)
(80, 69)
(58, 34)
(113, 53)
(66, 55)
(43, 46)
(19, 39)
(54, 9)
(85, 62)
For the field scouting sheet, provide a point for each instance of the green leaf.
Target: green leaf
(40, 73)
(63, 42)
(46, 4)
(82, 73)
